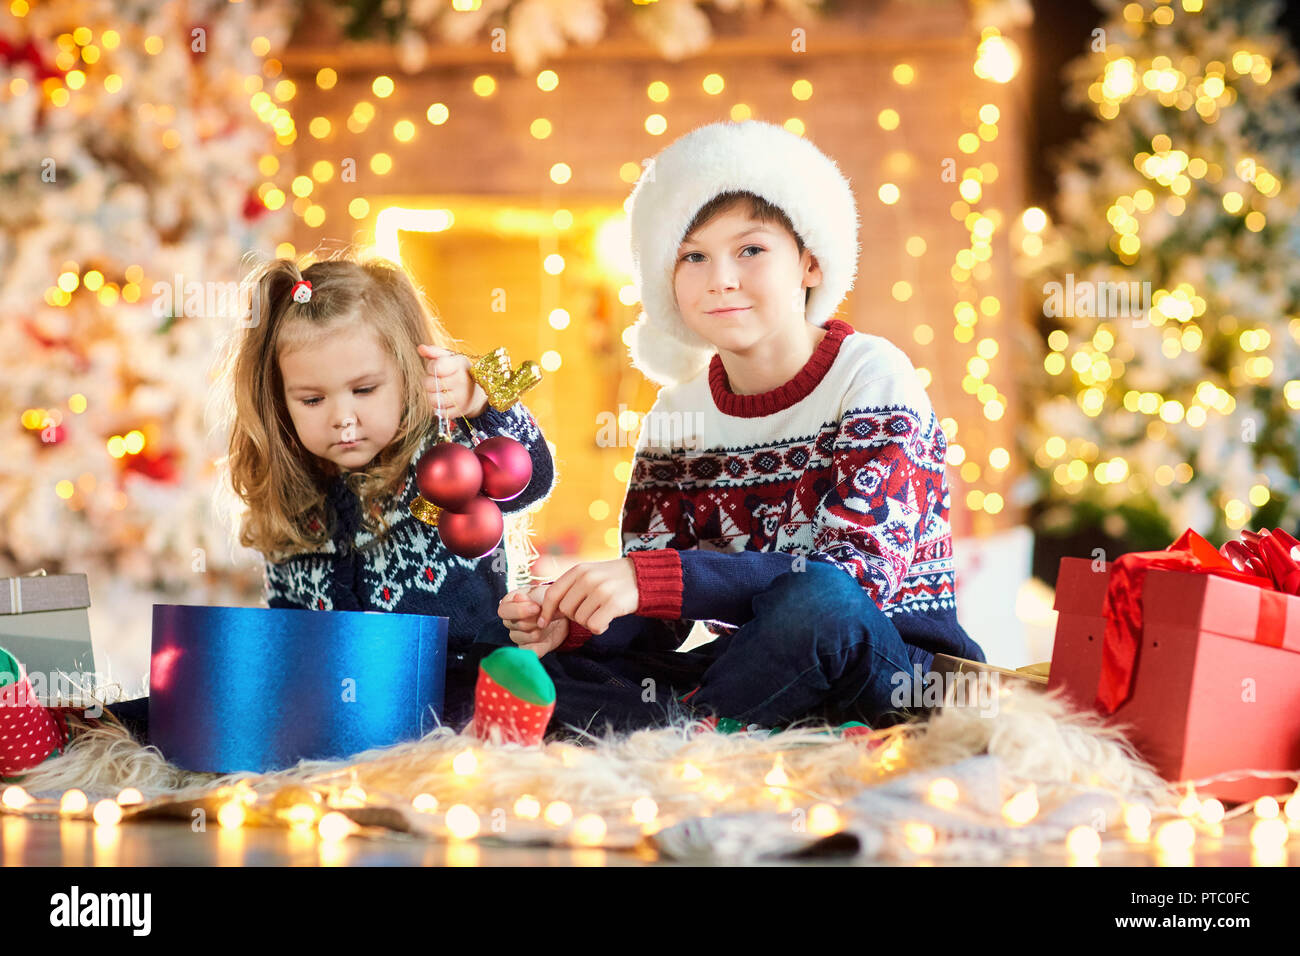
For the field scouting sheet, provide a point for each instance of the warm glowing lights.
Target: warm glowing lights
(1266, 808)
(107, 813)
(462, 822)
(15, 798)
(1269, 834)
(942, 792)
(1175, 836)
(464, 763)
(547, 80)
(1082, 841)
(713, 84)
(919, 837)
(73, 801)
(997, 58)
(484, 85)
(644, 810)
(558, 813)
(1022, 807)
(231, 815)
(335, 826)
(1137, 818)
(589, 829)
(425, 803)
(561, 173)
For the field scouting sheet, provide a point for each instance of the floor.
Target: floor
(28, 842)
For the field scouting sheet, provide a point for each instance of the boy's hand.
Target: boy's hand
(447, 372)
(518, 612)
(592, 594)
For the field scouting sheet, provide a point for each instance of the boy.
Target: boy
(789, 484)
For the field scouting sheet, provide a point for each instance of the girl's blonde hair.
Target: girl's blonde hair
(282, 485)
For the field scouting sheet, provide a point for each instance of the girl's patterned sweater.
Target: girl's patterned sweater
(843, 464)
(407, 569)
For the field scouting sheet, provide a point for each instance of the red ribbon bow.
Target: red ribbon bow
(1123, 607)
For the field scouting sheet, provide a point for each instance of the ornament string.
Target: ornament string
(437, 391)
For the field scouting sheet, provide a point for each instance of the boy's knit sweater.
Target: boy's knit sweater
(843, 464)
(407, 569)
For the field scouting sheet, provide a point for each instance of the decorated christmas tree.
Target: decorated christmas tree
(130, 142)
(1170, 286)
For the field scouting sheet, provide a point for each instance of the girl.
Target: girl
(334, 389)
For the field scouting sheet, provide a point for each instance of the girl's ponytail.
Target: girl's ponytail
(269, 291)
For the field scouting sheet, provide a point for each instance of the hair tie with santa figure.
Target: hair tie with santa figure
(301, 291)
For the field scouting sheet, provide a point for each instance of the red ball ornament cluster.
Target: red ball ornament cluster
(465, 485)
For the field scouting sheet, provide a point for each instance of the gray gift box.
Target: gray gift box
(45, 624)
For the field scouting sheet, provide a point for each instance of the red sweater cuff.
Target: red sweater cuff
(578, 635)
(658, 583)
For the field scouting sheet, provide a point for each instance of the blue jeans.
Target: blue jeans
(817, 647)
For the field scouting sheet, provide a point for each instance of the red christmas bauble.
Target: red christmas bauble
(449, 476)
(507, 467)
(473, 532)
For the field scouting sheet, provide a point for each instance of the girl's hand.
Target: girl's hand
(518, 612)
(447, 379)
(592, 594)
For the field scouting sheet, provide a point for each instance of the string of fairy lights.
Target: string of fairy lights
(318, 810)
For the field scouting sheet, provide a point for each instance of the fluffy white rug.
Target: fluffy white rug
(935, 786)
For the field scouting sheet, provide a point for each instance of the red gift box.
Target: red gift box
(1212, 681)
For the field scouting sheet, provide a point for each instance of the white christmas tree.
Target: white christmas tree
(1171, 283)
(130, 141)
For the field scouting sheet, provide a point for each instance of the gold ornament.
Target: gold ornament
(426, 511)
(502, 385)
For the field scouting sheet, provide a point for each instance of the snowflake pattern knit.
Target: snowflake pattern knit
(407, 569)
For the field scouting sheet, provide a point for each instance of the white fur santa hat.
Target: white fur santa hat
(755, 157)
